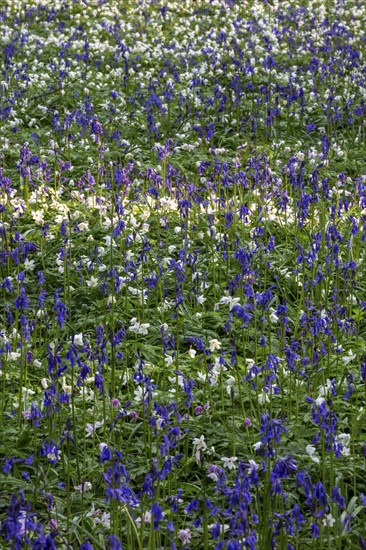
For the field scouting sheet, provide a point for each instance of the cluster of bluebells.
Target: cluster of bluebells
(182, 256)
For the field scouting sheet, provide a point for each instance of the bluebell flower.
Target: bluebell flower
(113, 543)
(45, 542)
(158, 515)
(22, 300)
(338, 498)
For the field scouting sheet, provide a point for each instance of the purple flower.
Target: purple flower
(158, 515)
(113, 543)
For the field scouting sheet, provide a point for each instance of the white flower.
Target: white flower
(323, 390)
(310, 449)
(345, 440)
(230, 382)
(199, 446)
(180, 379)
(348, 358)
(257, 445)
(168, 360)
(328, 520)
(214, 344)
(83, 487)
(319, 400)
(37, 215)
(229, 462)
(29, 264)
(168, 204)
(202, 377)
(273, 317)
(199, 442)
(90, 428)
(107, 222)
(92, 511)
(263, 398)
(184, 535)
(65, 387)
(137, 327)
(27, 392)
(92, 282)
(78, 339)
(147, 519)
(253, 466)
(192, 353)
(104, 520)
(83, 226)
(139, 393)
(229, 300)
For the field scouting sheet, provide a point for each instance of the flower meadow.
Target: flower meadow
(182, 274)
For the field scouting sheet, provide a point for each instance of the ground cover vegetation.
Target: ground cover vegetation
(182, 274)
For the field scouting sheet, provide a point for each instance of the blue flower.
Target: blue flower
(158, 515)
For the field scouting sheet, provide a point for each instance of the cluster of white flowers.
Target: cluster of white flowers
(137, 327)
